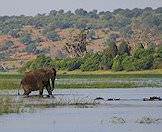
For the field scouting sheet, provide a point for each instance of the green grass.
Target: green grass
(9, 84)
(97, 85)
(96, 79)
(110, 74)
(8, 105)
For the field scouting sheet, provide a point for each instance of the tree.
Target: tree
(7, 45)
(14, 33)
(76, 43)
(41, 61)
(31, 48)
(26, 39)
(80, 12)
(91, 62)
(53, 13)
(143, 34)
(128, 63)
(123, 48)
(117, 63)
(111, 50)
(53, 36)
(143, 58)
(106, 62)
(93, 14)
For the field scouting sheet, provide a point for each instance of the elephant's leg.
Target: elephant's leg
(53, 83)
(26, 93)
(49, 91)
(41, 92)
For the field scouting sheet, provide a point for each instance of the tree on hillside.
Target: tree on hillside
(53, 36)
(143, 34)
(80, 12)
(26, 39)
(7, 45)
(111, 48)
(76, 43)
(123, 48)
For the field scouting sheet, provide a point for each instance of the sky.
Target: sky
(33, 7)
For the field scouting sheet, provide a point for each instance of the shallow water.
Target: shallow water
(99, 118)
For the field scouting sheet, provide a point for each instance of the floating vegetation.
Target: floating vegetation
(148, 120)
(55, 102)
(114, 120)
(8, 105)
(117, 120)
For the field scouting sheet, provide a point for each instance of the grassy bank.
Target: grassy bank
(8, 105)
(111, 74)
(95, 79)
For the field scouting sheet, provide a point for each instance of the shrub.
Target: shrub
(7, 45)
(117, 63)
(53, 36)
(74, 64)
(128, 63)
(91, 62)
(123, 48)
(31, 48)
(41, 61)
(26, 39)
(106, 62)
(144, 63)
(111, 50)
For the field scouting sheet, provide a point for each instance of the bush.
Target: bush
(91, 62)
(53, 36)
(106, 62)
(3, 55)
(31, 48)
(111, 50)
(26, 39)
(73, 64)
(144, 63)
(117, 63)
(41, 61)
(123, 48)
(128, 63)
(7, 45)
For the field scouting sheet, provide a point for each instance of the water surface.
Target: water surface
(98, 118)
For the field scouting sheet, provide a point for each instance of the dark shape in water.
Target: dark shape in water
(113, 99)
(117, 99)
(153, 98)
(110, 99)
(99, 98)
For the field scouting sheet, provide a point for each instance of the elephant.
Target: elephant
(38, 80)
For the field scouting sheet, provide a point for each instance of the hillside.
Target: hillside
(25, 37)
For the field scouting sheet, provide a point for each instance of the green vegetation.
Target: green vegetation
(110, 58)
(93, 79)
(8, 105)
(121, 31)
(52, 35)
(119, 19)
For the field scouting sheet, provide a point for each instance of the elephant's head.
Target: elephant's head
(51, 74)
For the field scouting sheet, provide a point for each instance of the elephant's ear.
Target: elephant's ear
(54, 70)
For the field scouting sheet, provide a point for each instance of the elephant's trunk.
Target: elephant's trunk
(53, 83)
(53, 78)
